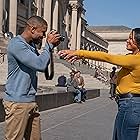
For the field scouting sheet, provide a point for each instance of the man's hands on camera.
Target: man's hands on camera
(53, 37)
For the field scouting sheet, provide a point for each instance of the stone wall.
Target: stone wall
(49, 101)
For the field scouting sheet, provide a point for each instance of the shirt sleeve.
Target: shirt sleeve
(22, 52)
(128, 61)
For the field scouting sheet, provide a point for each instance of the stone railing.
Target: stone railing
(91, 44)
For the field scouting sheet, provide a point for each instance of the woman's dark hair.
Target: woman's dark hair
(136, 33)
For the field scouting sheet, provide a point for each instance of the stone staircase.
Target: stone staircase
(62, 67)
(87, 73)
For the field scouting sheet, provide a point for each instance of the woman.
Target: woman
(128, 84)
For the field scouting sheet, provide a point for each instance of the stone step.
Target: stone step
(90, 82)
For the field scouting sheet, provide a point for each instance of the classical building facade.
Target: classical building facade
(65, 16)
(116, 37)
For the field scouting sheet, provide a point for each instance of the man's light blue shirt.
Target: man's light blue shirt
(23, 64)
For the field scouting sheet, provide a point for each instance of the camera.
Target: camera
(62, 38)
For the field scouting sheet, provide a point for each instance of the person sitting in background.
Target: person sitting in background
(72, 86)
(100, 75)
(81, 85)
(96, 74)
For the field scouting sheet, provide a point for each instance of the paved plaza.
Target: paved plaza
(92, 120)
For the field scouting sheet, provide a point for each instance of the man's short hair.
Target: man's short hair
(36, 21)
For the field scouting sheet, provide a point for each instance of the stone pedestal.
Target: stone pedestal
(47, 12)
(74, 7)
(13, 17)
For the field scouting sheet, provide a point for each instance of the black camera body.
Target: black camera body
(62, 38)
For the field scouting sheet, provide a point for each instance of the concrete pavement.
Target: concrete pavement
(92, 120)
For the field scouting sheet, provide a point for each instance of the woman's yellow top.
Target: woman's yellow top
(128, 78)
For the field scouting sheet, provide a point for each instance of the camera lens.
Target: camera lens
(62, 38)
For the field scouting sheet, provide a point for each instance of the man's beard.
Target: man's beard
(37, 41)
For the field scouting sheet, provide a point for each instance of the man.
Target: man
(22, 115)
(81, 85)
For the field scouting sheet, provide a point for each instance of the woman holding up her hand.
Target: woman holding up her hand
(128, 84)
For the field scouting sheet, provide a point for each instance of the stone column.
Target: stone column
(67, 22)
(29, 9)
(74, 26)
(55, 20)
(79, 33)
(1, 17)
(39, 7)
(67, 32)
(55, 16)
(47, 12)
(13, 16)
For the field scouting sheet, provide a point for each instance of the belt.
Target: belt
(128, 95)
